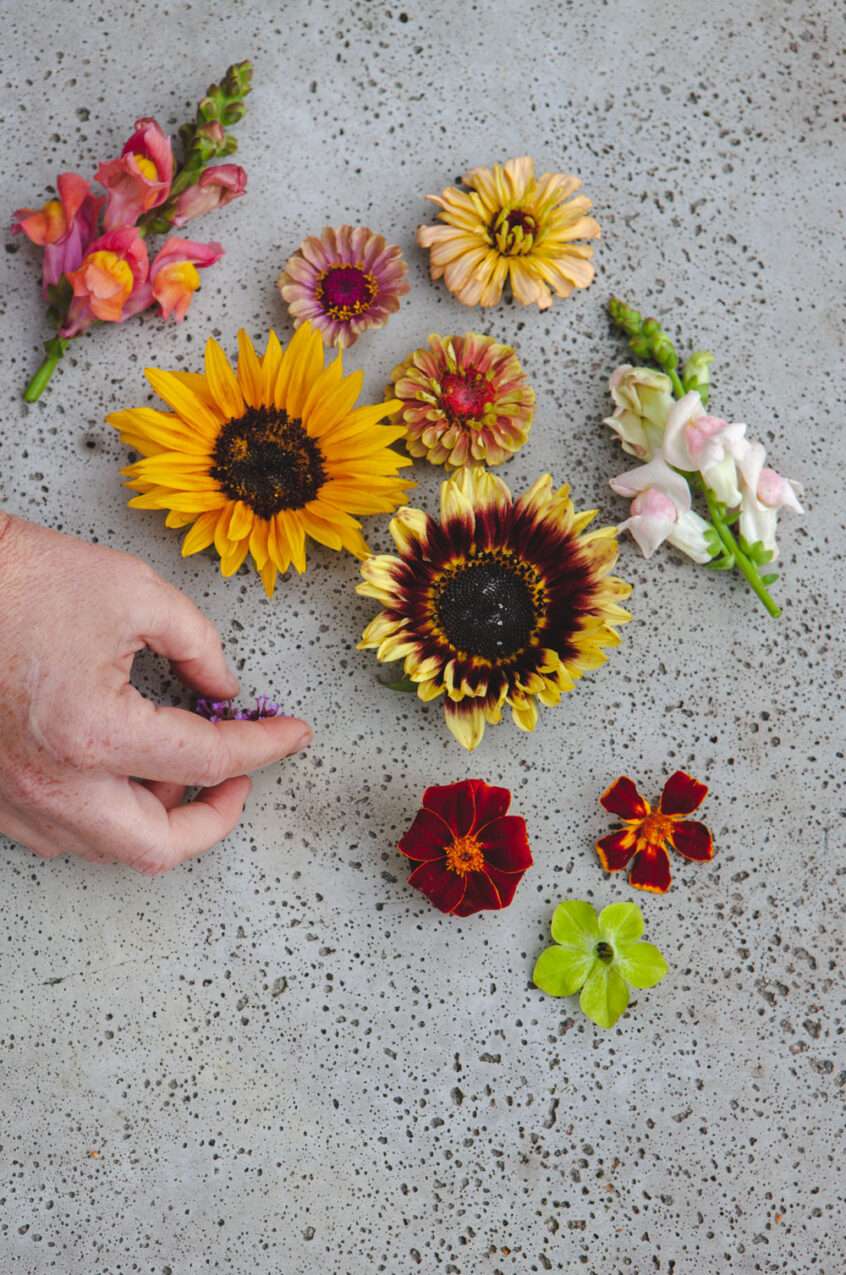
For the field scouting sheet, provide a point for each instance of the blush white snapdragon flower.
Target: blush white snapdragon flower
(661, 510)
(693, 440)
(763, 494)
(643, 399)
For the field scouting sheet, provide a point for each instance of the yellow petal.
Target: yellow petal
(268, 577)
(230, 564)
(183, 400)
(258, 542)
(295, 535)
(201, 534)
(223, 382)
(250, 375)
(241, 522)
(467, 724)
(270, 366)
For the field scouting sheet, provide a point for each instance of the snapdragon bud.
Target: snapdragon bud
(696, 374)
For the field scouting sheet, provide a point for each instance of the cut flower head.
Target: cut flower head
(600, 955)
(641, 844)
(464, 400)
(344, 282)
(511, 225)
(470, 853)
(260, 458)
(500, 601)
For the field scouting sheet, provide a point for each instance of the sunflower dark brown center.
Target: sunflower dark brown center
(486, 608)
(346, 291)
(465, 394)
(268, 461)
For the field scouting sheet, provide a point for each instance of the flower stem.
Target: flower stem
(744, 565)
(55, 348)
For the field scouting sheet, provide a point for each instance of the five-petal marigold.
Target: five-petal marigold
(641, 844)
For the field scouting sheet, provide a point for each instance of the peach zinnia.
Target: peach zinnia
(510, 225)
(464, 400)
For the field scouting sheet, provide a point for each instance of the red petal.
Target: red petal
(505, 844)
(443, 888)
(623, 799)
(651, 870)
(682, 793)
(427, 838)
(692, 839)
(506, 884)
(481, 895)
(491, 803)
(616, 849)
(454, 803)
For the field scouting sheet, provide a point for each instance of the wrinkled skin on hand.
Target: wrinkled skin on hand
(88, 766)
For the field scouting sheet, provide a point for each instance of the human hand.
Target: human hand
(88, 766)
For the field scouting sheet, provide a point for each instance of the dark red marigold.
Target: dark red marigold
(641, 844)
(470, 852)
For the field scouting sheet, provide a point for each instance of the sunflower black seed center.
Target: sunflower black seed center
(486, 609)
(268, 461)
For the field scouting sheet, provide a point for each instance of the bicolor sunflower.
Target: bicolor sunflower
(510, 225)
(464, 400)
(499, 602)
(260, 458)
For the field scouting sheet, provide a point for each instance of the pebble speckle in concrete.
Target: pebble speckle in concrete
(279, 1059)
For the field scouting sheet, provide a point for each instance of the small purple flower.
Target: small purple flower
(224, 710)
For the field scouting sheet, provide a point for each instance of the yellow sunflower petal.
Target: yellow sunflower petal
(258, 542)
(268, 577)
(230, 564)
(250, 373)
(201, 534)
(170, 387)
(222, 382)
(270, 365)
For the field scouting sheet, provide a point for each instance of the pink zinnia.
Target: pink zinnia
(346, 281)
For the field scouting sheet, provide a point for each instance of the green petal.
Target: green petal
(561, 971)
(621, 923)
(641, 964)
(574, 925)
(604, 996)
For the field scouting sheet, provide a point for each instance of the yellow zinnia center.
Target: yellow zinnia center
(514, 231)
(465, 855)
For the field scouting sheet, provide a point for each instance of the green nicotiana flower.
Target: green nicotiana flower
(599, 954)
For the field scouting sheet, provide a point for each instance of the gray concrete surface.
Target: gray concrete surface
(286, 1062)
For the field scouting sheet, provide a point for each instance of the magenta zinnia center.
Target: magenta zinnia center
(464, 395)
(346, 291)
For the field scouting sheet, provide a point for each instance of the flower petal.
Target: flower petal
(616, 849)
(491, 803)
(641, 964)
(506, 883)
(561, 972)
(682, 794)
(505, 844)
(442, 888)
(621, 923)
(427, 838)
(574, 925)
(651, 870)
(455, 805)
(481, 895)
(622, 798)
(692, 840)
(604, 996)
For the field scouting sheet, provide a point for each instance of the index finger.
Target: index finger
(149, 742)
(172, 626)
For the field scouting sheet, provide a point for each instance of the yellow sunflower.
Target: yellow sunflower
(259, 459)
(500, 601)
(511, 225)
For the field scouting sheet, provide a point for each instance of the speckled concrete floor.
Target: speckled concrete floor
(285, 1061)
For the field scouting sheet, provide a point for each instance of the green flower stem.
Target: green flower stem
(746, 567)
(678, 388)
(55, 349)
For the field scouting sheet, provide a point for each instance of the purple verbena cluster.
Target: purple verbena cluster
(224, 710)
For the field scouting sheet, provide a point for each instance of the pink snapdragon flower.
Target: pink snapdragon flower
(217, 187)
(141, 178)
(764, 493)
(661, 510)
(173, 278)
(112, 273)
(693, 440)
(63, 227)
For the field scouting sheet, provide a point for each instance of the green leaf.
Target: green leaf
(770, 579)
(574, 925)
(604, 996)
(560, 971)
(621, 923)
(641, 964)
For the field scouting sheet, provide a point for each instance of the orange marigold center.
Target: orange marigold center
(654, 829)
(465, 855)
